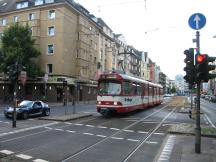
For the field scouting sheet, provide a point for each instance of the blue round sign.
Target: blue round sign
(197, 21)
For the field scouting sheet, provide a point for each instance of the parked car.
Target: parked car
(27, 108)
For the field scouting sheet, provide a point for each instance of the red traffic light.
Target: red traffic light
(200, 58)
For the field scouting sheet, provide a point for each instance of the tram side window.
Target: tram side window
(155, 91)
(150, 91)
(134, 89)
(146, 90)
(126, 88)
(139, 89)
(161, 91)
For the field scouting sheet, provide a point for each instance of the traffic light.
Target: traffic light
(211, 67)
(64, 83)
(189, 68)
(203, 67)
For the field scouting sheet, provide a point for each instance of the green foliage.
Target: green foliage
(173, 90)
(18, 46)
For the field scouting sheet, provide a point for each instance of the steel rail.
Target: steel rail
(112, 135)
(148, 136)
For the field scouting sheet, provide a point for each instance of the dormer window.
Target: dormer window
(49, 1)
(21, 5)
(38, 2)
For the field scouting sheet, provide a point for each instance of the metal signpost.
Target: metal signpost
(46, 77)
(196, 22)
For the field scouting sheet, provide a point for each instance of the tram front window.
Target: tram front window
(110, 88)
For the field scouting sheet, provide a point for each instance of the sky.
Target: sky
(159, 27)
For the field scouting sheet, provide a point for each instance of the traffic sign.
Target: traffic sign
(46, 77)
(23, 77)
(197, 21)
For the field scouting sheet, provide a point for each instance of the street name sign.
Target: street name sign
(197, 21)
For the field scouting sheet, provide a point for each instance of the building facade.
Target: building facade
(76, 47)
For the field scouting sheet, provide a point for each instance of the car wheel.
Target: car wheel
(46, 112)
(25, 115)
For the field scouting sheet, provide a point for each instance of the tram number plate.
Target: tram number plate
(103, 108)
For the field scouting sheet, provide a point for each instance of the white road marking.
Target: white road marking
(88, 134)
(4, 122)
(128, 130)
(48, 128)
(151, 142)
(114, 129)
(78, 124)
(22, 156)
(7, 152)
(40, 160)
(117, 138)
(59, 129)
(68, 123)
(142, 132)
(133, 140)
(70, 131)
(167, 150)
(210, 121)
(91, 126)
(101, 136)
(26, 129)
(101, 127)
(159, 133)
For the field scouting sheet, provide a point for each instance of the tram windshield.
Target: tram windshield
(110, 88)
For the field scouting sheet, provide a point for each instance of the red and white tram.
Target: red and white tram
(122, 93)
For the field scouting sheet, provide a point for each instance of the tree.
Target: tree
(18, 47)
(173, 90)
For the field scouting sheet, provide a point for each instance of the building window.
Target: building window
(51, 14)
(15, 19)
(51, 31)
(38, 2)
(4, 22)
(21, 5)
(49, 1)
(31, 16)
(50, 49)
(49, 68)
(31, 31)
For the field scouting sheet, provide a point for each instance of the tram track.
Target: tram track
(98, 124)
(148, 136)
(45, 131)
(68, 159)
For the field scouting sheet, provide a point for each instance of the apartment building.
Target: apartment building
(68, 39)
(75, 48)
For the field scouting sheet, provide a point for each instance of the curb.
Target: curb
(189, 129)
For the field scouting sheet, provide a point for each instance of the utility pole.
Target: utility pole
(198, 128)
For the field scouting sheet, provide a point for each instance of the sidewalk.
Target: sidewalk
(184, 149)
(180, 145)
(52, 104)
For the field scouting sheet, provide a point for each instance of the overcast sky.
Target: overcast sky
(159, 27)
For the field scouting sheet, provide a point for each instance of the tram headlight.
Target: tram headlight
(99, 102)
(115, 103)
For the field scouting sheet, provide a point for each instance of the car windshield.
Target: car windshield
(26, 103)
(112, 88)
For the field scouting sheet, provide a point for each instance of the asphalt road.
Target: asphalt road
(133, 137)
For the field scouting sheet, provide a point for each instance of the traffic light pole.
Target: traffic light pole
(198, 128)
(15, 98)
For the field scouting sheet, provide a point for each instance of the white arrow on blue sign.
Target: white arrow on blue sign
(197, 21)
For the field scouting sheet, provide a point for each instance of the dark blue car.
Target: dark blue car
(28, 108)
